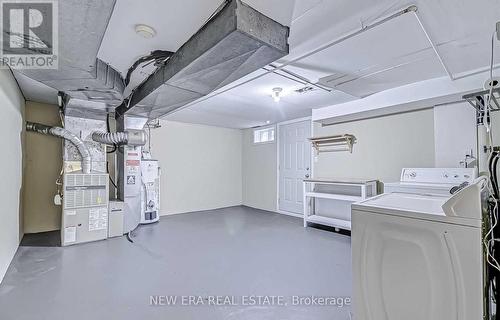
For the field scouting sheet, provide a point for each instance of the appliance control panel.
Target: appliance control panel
(439, 175)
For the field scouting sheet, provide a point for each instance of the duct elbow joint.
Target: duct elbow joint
(67, 135)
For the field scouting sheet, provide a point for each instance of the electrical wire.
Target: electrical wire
(110, 179)
(109, 131)
(489, 237)
(157, 57)
(489, 241)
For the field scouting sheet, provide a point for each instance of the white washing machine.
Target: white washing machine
(414, 261)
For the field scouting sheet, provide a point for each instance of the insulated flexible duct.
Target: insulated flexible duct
(110, 138)
(129, 137)
(67, 135)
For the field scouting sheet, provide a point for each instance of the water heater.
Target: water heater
(150, 197)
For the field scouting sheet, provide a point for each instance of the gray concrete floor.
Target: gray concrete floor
(236, 252)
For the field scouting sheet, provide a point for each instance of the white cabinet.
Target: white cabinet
(328, 201)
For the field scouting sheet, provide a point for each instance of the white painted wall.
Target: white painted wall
(11, 131)
(384, 146)
(259, 173)
(201, 166)
(455, 133)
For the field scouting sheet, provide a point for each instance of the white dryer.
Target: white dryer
(413, 261)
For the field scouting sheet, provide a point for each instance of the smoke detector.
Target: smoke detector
(145, 31)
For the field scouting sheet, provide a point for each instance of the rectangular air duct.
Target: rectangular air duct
(235, 42)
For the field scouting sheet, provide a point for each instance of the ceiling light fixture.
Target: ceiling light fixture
(145, 31)
(277, 94)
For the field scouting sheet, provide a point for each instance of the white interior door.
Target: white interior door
(294, 164)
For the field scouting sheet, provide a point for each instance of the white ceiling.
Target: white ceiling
(174, 22)
(251, 104)
(391, 55)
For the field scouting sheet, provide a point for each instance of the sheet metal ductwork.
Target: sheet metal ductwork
(65, 134)
(81, 75)
(235, 42)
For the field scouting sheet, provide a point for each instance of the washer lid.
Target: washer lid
(429, 204)
(417, 206)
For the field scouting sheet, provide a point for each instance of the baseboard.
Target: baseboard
(291, 214)
(163, 214)
(4, 267)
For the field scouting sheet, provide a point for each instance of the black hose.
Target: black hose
(109, 131)
(110, 179)
(113, 150)
(129, 237)
(495, 178)
(131, 234)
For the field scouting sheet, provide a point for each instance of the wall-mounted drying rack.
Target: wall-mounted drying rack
(335, 143)
(479, 99)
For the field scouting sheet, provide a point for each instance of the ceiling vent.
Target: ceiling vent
(305, 89)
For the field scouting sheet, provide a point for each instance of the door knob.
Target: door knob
(307, 175)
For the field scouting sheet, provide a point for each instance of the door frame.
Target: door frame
(278, 125)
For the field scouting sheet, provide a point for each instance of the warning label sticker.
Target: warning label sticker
(98, 219)
(130, 179)
(133, 163)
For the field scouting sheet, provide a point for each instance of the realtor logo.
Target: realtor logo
(29, 34)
